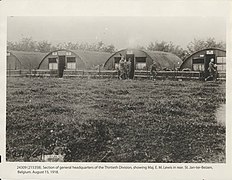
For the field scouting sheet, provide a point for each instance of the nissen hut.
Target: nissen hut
(64, 59)
(22, 60)
(199, 61)
(142, 60)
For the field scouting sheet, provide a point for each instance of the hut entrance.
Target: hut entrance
(208, 57)
(131, 57)
(61, 66)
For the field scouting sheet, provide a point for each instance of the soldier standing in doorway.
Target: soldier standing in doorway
(212, 71)
(122, 68)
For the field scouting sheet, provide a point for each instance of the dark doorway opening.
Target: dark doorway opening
(131, 57)
(208, 57)
(61, 66)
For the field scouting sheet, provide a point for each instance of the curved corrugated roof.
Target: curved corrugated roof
(28, 60)
(92, 58)
(163, 59)
(89, 58)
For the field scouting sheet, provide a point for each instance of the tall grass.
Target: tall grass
(114, 121)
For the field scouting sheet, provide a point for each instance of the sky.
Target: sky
(121, 31)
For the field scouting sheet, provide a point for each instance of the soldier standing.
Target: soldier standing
(212, 70)
(153, 70)
(122, 68)
(129, 68)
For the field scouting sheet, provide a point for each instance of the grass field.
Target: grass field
(96, 120)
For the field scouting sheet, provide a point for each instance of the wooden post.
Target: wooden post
(9, 71)
(99, 71)
(30, 71)
(174, 72)
(147, 73)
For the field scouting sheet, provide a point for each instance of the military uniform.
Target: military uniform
(122, 68)
(212, 71)
(153, 70)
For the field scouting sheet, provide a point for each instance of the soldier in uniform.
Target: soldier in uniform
(153, 70)
(128, 68)
(122, 68)
(212, 70)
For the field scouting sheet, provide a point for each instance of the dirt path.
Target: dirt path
(221, 114)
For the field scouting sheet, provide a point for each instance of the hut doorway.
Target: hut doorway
(131, 57)
(208, 57)
(61, 66)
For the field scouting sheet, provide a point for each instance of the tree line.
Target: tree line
(193, 46)
(28, 44)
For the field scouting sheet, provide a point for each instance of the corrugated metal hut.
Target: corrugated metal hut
(64, 59)
(199, 61)
(142, 60)
(22, 60)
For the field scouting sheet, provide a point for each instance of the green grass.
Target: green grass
(109, 120)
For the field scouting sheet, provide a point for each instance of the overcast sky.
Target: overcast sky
(122, 32)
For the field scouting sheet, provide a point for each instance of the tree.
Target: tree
(168, 47)
(110, 48)
(199, 44)
(28, 44)
(71, 46)
(140, 47)
(11, 45)
(44, 46)
(100, 46)
(25, 44)
(151, 47)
